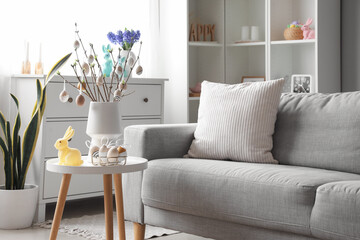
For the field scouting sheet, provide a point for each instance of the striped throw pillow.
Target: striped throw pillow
(236, 122)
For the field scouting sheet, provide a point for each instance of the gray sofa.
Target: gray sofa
(314, 193)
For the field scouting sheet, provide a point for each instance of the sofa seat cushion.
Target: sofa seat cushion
(336, 214)
(271, 196)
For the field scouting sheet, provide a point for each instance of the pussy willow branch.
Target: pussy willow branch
(77, 33)
(95, 86)
(88, 88)
(78, 78)
(123, 71)
(71, 84)
(132, 67)
(105, 87)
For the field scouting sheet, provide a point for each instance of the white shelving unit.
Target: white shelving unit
(227, 60)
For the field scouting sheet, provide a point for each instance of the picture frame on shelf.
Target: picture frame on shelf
(301, 83)
(245, 79)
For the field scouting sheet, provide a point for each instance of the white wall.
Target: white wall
(52, 23)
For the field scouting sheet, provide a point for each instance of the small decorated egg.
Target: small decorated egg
(80, 100)
(93, 150)
(122, 151)
(112, 154)
(119, 70)
(292, 26)
(139, 70)
(90, 59)
(100, 81)
(117, 95)
(83, 85)
(64, 96)
(131, 61)
(76, 44)
(123, 85)
(103, 151)
(86, 67)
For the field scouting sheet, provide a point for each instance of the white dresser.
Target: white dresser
(144, 106)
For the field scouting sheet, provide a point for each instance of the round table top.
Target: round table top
(133, 164)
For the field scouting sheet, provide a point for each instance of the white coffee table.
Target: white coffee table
(133, 164)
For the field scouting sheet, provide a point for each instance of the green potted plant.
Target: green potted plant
(17, 199)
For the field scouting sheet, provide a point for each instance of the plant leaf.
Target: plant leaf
(38, 95)
(56, 68)
(7, 167)
(15, 135)
(9, 146)
(2, 123)
(28, 145)
(18, 161)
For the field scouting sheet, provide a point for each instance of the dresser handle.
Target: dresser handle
(146, 99)
(70, 100)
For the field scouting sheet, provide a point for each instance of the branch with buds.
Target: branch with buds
(92, 81)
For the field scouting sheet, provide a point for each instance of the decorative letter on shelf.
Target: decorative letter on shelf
(202, 30)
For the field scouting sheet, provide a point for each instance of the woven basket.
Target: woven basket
(293, 34)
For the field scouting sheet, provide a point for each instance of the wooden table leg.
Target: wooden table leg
(108, 205)
(65, 182)
(139, 231)
(119, 206)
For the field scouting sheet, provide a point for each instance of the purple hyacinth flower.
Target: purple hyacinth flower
(112, 37)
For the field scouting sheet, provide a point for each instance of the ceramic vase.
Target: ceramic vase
(18, 207)
(104, 122)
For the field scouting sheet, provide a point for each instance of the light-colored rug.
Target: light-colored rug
(93, 227)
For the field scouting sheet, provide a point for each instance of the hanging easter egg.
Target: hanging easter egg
(83, 85)
(64, 96)
(131, 61)
(76, 44)
(100, 81)
(139, 70)
(117, 95)
(86, 68)
(119, 69)
(112, 154)
(80, 100)
(123, 85)
(91, 59)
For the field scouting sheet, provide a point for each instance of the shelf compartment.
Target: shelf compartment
(244, 61)
(287, 60)
(205, 44)
(290, 10)
(207, 12)
(244, 13)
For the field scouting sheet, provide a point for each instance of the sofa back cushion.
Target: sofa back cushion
(319, 130)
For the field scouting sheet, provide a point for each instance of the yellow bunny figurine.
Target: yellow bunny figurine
(68, 156)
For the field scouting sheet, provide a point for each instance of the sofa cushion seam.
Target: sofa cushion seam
(244, 180)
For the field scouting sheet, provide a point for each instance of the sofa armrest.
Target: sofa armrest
(151, 142)
(159, 141)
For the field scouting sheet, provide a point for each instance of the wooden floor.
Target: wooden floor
(73, 209)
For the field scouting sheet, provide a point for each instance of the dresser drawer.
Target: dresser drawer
(80, 184)
(56, 130)
(57, 109)
(128, 122)
(145, 101)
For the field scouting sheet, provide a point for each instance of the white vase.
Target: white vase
(123, 56)
(17, 207)
(104, 122)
